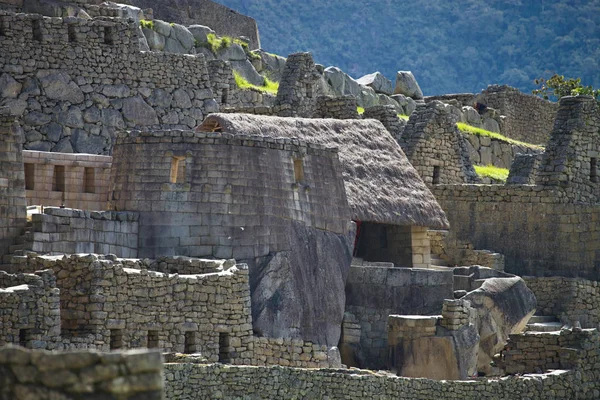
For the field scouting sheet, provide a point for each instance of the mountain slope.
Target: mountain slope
(450, 46)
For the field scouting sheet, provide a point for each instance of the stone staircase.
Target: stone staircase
(541, 323)
(436, 261)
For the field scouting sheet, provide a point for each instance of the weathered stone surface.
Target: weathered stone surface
(36, 118)
(112, 118)
(200, 32)
(83, 142)
(181, 99)
(138, 112)
(119, 91)
(63, 146)
(235, 52)
(300, 294)
(9, 87)
(183, 36)
(271, 64)
(17, 106)
(155, 40)
(59, 86)
(378, 82)
(71, 118)
(407, 85)
(246, 69)
(504, 306)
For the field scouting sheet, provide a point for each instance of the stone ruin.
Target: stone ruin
(281, 246)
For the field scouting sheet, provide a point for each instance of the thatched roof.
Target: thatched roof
(381, 185)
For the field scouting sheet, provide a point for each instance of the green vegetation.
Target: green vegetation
(360, 110)
(404, 117)
(507, 42)
(557, 86)
(216, 43)
(253, 55)
(489, 171)
(147, 24)
(482, 132)
(269, 86)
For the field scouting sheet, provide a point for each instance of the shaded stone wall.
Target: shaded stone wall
(337, 107)
(298, 87)
(76, 82)
(568, 299)
(30, 309)
(387, 115)
(12, 182)
(117, 303)
(571, 160)
(461, 252)
(228, 200)
(27, 374)
(535, 228)
(69, 231)
(434, 146)
(524, 169)
(373, 293)
(536, 352)
(82, 183)
(189, 381)
(485, 150)
(528, 118)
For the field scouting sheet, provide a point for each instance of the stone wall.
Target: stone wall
(434, 146)
(537, 352)
(524, 169)
(189, 381)
(388, 116)
(568, 299)
(528, 118)
(456, 252)
(573, 151)
(72, 180)
(298, 87)
(337, 107)
(76, 82)
(535, 228)
(70, 231)
(373, 293)
(27, 374)
(215, 194)
(12, 182)
(30, 309)
(122, 305)
(484, 150)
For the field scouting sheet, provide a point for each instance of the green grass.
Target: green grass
(482, 132)
(216, 43)
(147, 24)
(360, 110)
(489, 171)
(269, 86)
(404, 117)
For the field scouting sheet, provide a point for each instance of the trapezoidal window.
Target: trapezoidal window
(177, 170)
(153, 339)
(436, 175)
(72, 33)
(24, 337)
(189, 344)
(298, 169)
(2, 27)
(29, 176)
(109, 35)
(309, 90)
(58, 178)
(225, 96)
(594, 170)
(224, 350)
(116, 339)
(89, 180)
(36, 28)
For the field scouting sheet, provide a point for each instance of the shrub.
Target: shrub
(557, 86)
(147, 24)
(269, 87)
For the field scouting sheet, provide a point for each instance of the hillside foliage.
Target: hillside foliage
(451, 46)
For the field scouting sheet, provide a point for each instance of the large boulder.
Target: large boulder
(341, 82)
(234, 52)
(9, 87)
(300, 293)
(272, 65)
(200, 33)
(378, 82)
(138, 112)
(503, 306)
(59, 86)
(407, 85)
(246, 70)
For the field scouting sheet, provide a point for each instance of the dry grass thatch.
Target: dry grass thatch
(381, 184)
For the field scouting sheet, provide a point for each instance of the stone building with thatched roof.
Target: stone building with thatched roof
(387, 198)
